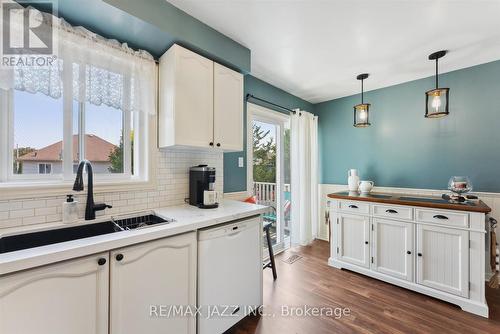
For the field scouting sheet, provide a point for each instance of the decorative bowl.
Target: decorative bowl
(459, 184)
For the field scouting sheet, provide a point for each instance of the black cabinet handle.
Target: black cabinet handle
(218, 144)
(211, 144)
(366, 242)
(352, 206)
(119, 257)
(408, 252)
(101, 261)
(391, 211)
(419, 254)
(440, 217)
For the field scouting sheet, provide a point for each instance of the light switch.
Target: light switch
(240, 161)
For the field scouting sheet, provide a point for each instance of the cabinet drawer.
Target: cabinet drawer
(354, 207)
(443, 217)
(398, 212)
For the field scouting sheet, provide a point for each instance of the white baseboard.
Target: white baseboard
(322, 237)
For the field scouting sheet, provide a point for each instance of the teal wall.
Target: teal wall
(235, 178)
(404, 149)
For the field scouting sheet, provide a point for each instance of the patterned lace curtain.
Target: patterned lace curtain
(103, 71)
(99, 86)
(45, 80)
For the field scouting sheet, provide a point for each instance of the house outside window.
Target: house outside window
(49, 158)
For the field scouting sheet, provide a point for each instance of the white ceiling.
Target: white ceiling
(314, 49)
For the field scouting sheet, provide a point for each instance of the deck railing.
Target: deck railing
(266, 195)
(266, 192)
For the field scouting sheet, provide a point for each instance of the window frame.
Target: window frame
(45, 165)
(144, 127)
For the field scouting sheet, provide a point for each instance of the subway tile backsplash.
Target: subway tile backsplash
(171, 189)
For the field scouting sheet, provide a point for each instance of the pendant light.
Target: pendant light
(362, 110)
(437, 99)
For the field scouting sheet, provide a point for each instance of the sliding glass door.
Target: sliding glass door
(269, 172)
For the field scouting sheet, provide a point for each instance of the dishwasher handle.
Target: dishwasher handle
(235, 230)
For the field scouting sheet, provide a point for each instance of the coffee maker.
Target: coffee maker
(201, 187)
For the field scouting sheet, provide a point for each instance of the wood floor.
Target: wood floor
(375, 306)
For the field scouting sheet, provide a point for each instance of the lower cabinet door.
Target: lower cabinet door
(152, 285)
(392, 243)
(353, 239)
(443, 259)
(67, 297)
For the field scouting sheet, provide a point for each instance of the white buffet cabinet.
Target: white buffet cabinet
(440, 253)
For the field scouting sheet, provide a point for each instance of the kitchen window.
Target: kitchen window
(96, 101)
(100, 133)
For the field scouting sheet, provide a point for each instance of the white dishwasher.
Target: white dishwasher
(229, 273)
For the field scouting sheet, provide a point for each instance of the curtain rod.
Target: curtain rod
(250, 96)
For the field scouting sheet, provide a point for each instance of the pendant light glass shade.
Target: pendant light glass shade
(362, 110)
(437, 99)
(436, 102)
(361, 115)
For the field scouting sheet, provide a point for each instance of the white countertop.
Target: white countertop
(187, 218)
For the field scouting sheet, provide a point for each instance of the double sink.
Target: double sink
(17, 242)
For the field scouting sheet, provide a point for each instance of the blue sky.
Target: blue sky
(265, 127)
(39, 120)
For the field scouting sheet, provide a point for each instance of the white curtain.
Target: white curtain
(103, 71)
(304, 177)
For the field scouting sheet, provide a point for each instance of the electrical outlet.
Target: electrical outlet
(240, 162)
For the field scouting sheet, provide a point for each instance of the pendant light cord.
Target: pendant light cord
(362, 91)
(437, 82)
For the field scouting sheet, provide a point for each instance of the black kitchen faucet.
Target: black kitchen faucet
(91, 207)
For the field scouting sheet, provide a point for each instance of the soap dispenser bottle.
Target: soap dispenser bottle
(70, 210)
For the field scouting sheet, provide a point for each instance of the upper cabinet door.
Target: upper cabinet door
(186, 99)
(150, 276)
(67, 297)
(228, 108)
(443, 259)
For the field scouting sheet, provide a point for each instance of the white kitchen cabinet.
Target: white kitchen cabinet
(186, 99)
(67, 297)
(353, 239)
(200, 103)
(443, 259)
(228, 108)
(392, 245)
(147, 276)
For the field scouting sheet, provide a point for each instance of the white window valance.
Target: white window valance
(103, 71)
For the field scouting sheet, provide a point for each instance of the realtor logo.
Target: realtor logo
(25, 30)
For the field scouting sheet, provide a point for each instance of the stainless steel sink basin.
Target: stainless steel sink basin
(137, 221)
(17, 242)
